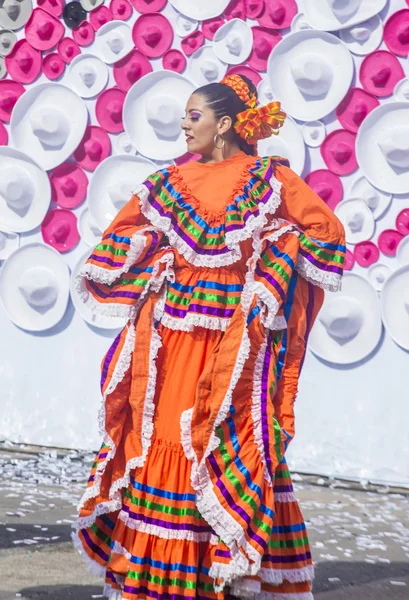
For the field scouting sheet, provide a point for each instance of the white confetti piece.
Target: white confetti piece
(334, 579)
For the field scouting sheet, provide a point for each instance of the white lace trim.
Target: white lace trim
(110, 593)
(192, 320)
(162, 532)
(136, 247)
(107, 310)
(93, 567)
(256, 408)
(332, 282)
(277, 576)
(121, 367)
(285, 497)
(232, 237)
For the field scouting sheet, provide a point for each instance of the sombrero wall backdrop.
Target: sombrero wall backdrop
(91, 95)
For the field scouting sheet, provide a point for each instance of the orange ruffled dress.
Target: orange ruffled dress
(220, 270)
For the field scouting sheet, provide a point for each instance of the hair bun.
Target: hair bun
(240, 86)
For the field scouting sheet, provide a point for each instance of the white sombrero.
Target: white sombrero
(395, 306)
(91, 317)
(184, 25)
(264, 91)
(200, 10)
(314, 133)
(153, 112)
(9, 241)
(113, 41)
(382, 147)
(289, 143)
(233, 42)
(205, 67)
(310, 72)
(377, 201)
(34, 287)
(113, 184)
(332, 15)
(89, 230)
(401, 90)
(14, 14)
(349, 325)
(299, 23)
(123, 144)
(357, 219)
(378, 275)
(87, 75)
(25, 191)
(363, 38)
(402, 251)
(48, 122)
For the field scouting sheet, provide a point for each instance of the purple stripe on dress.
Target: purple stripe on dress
(118, 294)
(283, 488)
(223, 553)
(264, 416)
(93, 547)
(233, 225)
(310, 309)
(199, 309)
(165, 524)
(107, 260)
(91, 478)
(273, 282)
(320, 265)
(287, 559)
(102, 455)
(142, 589)
(108, 359)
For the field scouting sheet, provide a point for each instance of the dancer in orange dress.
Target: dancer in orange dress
(220, 267)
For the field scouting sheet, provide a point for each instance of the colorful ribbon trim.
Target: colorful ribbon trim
(258, 123)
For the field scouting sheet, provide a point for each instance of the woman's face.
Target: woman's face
(200, 126)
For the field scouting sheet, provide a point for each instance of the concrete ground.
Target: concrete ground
(359, 537)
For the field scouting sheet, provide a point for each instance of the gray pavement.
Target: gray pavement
(359, 537)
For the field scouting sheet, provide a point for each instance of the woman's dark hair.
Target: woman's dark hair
(223, 101)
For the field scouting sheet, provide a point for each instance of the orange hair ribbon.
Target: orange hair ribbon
(260, 122)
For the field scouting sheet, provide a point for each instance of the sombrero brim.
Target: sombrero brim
(289, 143)
(394, 314)
(328, 349)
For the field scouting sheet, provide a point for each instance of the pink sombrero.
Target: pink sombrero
(192, 42)
(235, 10)
(379, 73)
(4, 136)
(210, 26)
(278, 14)
(253, 8)
(338, 152)
(402, 221)
(84, 34)
(396, 32)
(130, 69)
(69, 185)
(94, 147)
(54, 7)
(252, 74)
(23, 64)
(120, 9)
(353, 109)
(68, 49)
(366, 253)
(108, 110)
(388, 241)
(10, 92)
(349, 260)
(152, 34)
(59, 229)
(264, 40)
(174, 60)
(43, 31)
(100, 16)
(53, 66)
(327, 185)
(148, 6)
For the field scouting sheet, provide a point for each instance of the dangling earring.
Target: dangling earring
(214, 140)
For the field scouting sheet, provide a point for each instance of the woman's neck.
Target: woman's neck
(219, 154)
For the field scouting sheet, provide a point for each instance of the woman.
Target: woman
(220, 266)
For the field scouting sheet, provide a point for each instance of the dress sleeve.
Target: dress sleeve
(301, 309)
(130, 256)
(322, 248)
